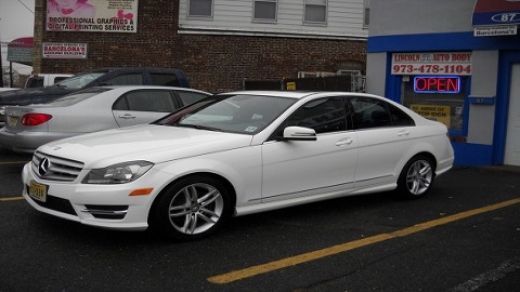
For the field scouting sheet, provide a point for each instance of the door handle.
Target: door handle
(346, 141)
(127, 117)
(404, 132)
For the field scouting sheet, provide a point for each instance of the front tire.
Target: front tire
(191, 208)
(416, 178)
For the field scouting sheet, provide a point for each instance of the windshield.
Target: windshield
(81, 80)
(242, 113)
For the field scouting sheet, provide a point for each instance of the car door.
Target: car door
(143, 106)
(385, 135)
(294, 169)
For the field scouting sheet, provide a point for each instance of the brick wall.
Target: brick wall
(212, 63)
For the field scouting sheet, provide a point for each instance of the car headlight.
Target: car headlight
(118, 173)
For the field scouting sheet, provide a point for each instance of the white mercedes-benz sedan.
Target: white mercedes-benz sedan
(234, 154)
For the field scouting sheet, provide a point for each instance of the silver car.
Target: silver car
(90, 110)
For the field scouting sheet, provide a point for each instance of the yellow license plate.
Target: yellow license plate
(13, 121)
(38, 191)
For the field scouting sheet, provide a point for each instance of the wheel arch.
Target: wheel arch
(424, 149)
(429, 155)
(229, 187)
(413, 183)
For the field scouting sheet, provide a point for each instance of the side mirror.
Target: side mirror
(299, 134)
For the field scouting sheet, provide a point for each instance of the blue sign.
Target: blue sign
(496, 12)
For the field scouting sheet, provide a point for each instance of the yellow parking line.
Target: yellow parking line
(13, 162)
(11, 199)
(318, 254)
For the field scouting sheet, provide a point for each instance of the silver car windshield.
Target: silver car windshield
(246, 114)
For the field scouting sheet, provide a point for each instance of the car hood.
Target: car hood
(154, 143)
(32, 95)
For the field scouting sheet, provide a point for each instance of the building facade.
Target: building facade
(457, 62)
(218, 43)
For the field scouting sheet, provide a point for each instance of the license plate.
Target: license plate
(38, 191)
(12, 121)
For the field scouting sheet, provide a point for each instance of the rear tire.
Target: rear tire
(191, 208)
(416, 178)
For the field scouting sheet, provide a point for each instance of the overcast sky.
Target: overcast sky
(16, 21)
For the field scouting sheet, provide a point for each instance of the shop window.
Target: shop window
(264, 10)
(440, 98)
(315, 12)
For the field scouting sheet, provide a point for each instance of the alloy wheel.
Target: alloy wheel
(196, 208)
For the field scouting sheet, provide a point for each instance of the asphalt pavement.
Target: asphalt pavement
(464, 236)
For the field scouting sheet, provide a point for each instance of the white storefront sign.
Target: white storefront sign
(64, 51)
(117, 16)
(481, 31)
(442, 63)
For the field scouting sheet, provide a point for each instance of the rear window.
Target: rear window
(76, 97)
(81, 80)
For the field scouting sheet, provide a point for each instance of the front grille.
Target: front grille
(56, 204)
(55, 168)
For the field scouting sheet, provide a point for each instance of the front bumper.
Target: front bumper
(106, 206)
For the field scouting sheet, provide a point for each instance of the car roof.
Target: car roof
(300, 94)
(134, 87)
(278, 93)
(108, 69)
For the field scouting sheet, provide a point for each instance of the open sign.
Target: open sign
(436, 84)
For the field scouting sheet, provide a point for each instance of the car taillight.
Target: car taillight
(35, 119)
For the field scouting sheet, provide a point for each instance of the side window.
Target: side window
(200, 8)
(400, 118)
(121, 104)
(150, 101)
(35, 82)
(323, 115)
(165, 79)
(370, 113)
(189, 97)
(264, 10)
(315, 12)
(58, 79)
(126, 79)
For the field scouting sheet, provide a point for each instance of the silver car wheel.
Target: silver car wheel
(196, 208)
(419, 177)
